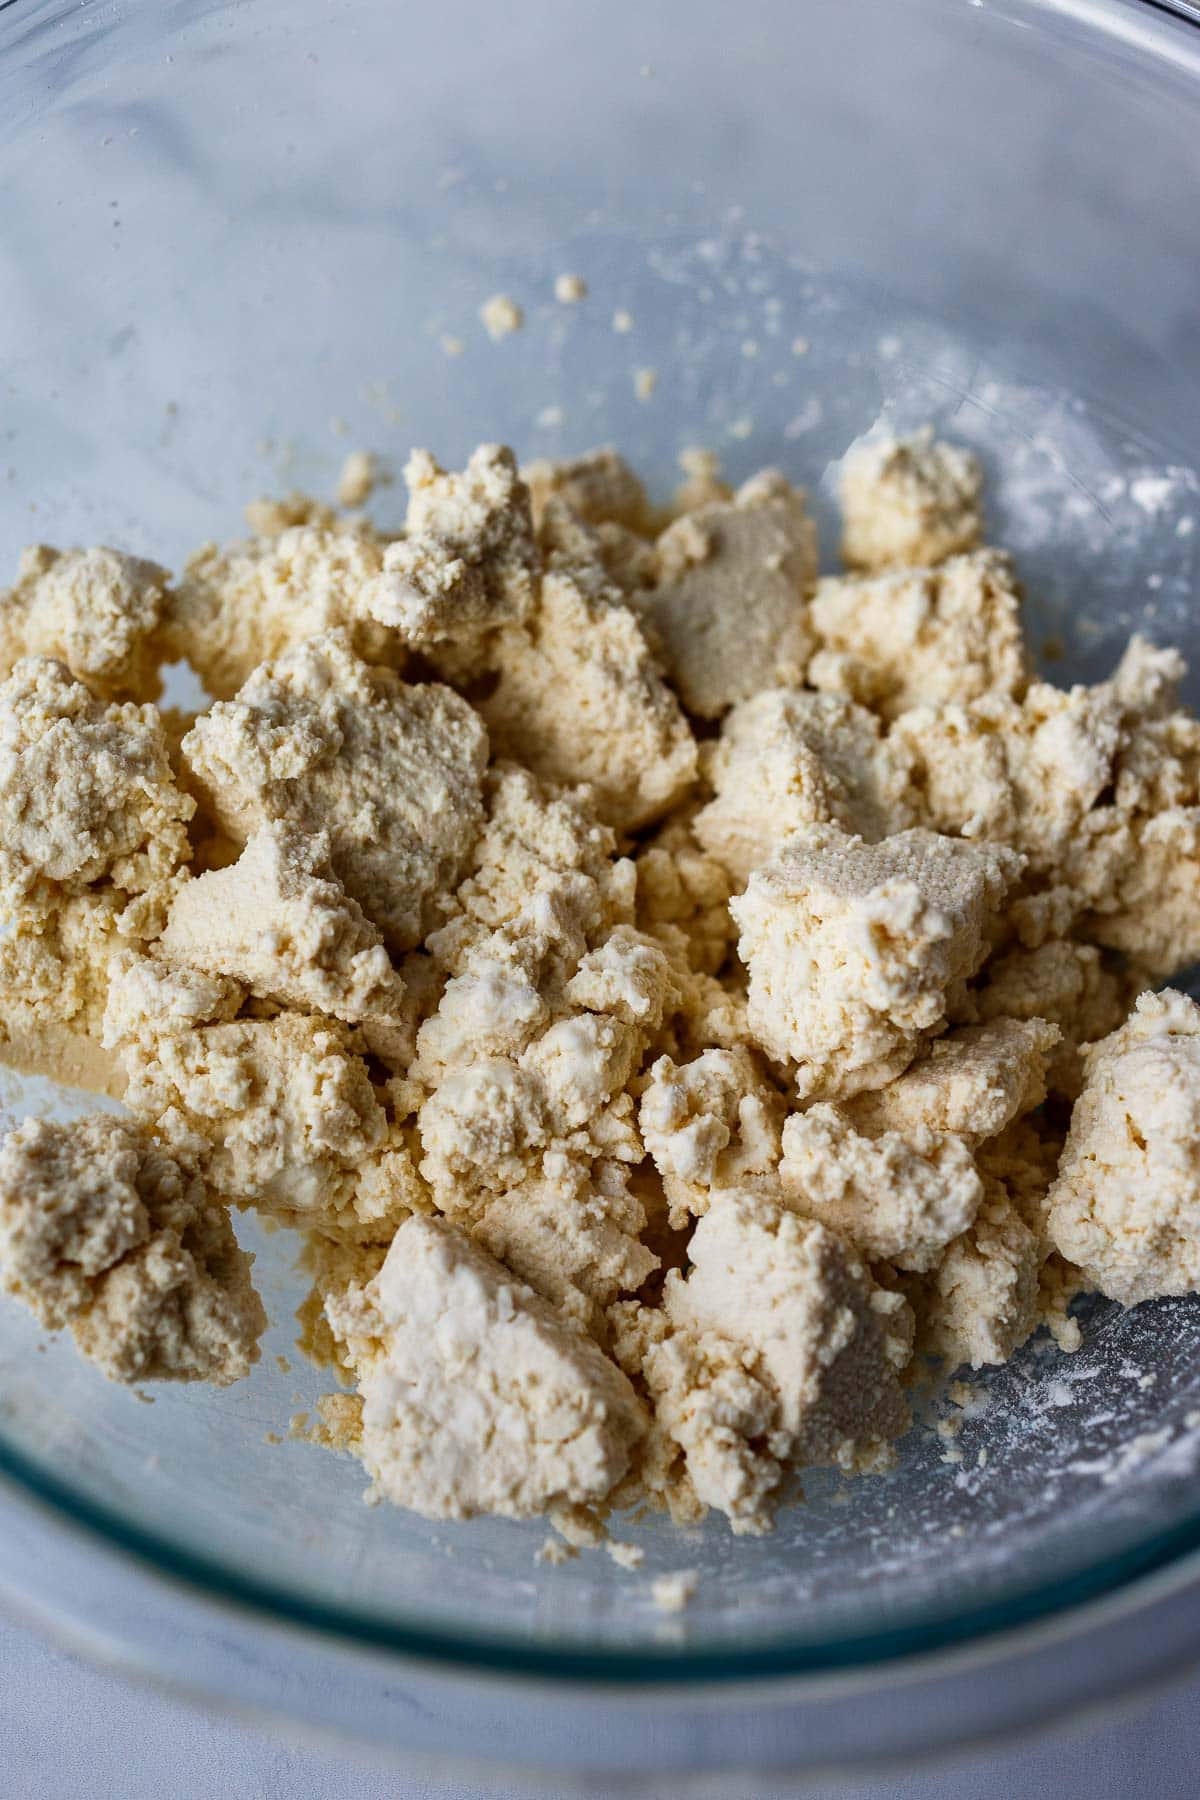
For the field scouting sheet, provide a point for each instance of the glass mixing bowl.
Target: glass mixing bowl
(240, 239)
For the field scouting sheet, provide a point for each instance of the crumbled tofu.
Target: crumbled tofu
(477, 1398)
(1125, 1208)
(544, 862)
(923, 637)
(853, 948)
(102, 1231)
(97, 611)
(1146, 681)
(703, 485)
(675, 1591)
(644, 1091)
(730, 607)
(574, 1238)
(392, 773)
(568, 289)
(786, 759)
(59, 958)
(912, 500)
(524, 1062)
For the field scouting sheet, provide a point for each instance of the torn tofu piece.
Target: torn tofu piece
(280, 923)
(393, 773)
(467, 565)
(897, 1197)
(1068, 985)
(579, 698)
(711, 1123)
(55, 968)
(730, 608)
(550, 999)
(1146, 681)
(573, 1235)
(601, 556)
(911, 500)
(148, 998)
(598, 487)
(236, 607)
(1026, 772)
(972, 1083)
(781, 1353)
(786, 759)
(275, 1113)
(481, 1129)
(702, 484)
(923, 637)
(853, 949)
(1125, 1207)
(680, 885)
(476, 1396)
(1102, 801)
(87, 793)
(543, 864)
(387, 1190)
(1021, 1164)
(96, 611)
(982, 1300)
(102, 1231)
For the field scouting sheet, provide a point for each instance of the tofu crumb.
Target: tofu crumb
(501, 316)
(555, 1552)
(622, 320)
(569, 289)
(644, 383)
(626, 1556)
(674, 1592)
(358, 479)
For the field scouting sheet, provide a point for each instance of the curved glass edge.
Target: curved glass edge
(649, 1665)
(1186, 10)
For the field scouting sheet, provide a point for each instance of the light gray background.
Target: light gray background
(70, 1732)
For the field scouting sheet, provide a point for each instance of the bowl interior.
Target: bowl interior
(244, 240)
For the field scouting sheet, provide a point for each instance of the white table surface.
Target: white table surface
(70, 1732)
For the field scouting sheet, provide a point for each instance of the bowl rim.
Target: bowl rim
(1112, 1576)
(651, 1665)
